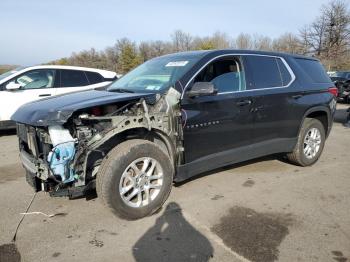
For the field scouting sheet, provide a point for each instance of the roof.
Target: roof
(104, 73)
(20, 70)
(218, 52)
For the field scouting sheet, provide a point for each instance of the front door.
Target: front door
(35, 85)
(219, 122)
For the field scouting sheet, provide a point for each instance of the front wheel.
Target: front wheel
(310, 143)
(135, 179)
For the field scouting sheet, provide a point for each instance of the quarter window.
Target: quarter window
(93, 77)
(73, 78)
(36, 79)
(226, 74)
(285, 75)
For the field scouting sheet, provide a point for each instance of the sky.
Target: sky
(38, 31)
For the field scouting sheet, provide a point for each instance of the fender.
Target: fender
(324, 109)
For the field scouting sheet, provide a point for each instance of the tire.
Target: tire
(298, 156)
(117, 173)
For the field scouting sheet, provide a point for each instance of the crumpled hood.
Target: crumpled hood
(56, 110)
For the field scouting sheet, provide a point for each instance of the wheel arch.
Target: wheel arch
(156, 136)
(322, 113)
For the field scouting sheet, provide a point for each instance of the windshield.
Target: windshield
(12, 71)
(156, 75)
(4, 75)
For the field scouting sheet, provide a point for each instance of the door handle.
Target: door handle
(297, 96)
(244, 102)
(44, 95)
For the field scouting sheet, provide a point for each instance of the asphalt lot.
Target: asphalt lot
(261, 210)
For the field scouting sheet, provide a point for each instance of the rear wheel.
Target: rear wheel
(135, 179)
(310, 143)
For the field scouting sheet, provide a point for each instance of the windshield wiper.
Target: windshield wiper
(121, 90)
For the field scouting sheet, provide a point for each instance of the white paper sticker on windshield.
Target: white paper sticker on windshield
(152, 87)
(177, 63)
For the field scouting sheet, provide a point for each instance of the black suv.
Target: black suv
(171, 118)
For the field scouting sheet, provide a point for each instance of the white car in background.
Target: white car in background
(22, 85)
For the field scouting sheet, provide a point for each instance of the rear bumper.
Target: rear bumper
(7, 124)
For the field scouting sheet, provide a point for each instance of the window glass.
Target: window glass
(73, 78)
(264, 72)
(157, 74)
(225, 74)
(314, 69)
(93, 77)
(36, 79)
(285, 75)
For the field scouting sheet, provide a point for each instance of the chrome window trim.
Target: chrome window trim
(256, 89)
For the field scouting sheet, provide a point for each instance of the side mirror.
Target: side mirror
(202, 89)
(13, 86)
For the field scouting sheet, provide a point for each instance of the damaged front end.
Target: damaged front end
(63, 157)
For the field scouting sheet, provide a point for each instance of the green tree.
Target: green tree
(128, 58)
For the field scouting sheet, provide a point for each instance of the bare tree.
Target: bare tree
(337, 32)
(289, 43)
(220, 40)
(244, 41)
(181, 41)
(328, 37)
(261, 42)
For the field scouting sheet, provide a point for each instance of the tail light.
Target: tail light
(333, 91)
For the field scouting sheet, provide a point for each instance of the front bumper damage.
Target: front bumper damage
(53, 174)
(64, 159)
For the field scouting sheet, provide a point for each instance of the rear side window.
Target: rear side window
(93, 77)
(73, 78)
(263, 72)
(314, 70)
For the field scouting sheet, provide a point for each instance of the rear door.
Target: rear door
(217, 123)
(269, 81)
(72, 81)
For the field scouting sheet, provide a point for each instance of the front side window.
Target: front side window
(36, 79)
(73, 78)
(226, 74)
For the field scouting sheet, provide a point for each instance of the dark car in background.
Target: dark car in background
(341, 80)
(172, 118)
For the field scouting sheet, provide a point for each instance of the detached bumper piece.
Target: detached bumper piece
(74, 192)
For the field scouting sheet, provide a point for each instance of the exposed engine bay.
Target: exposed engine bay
(64, 159)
